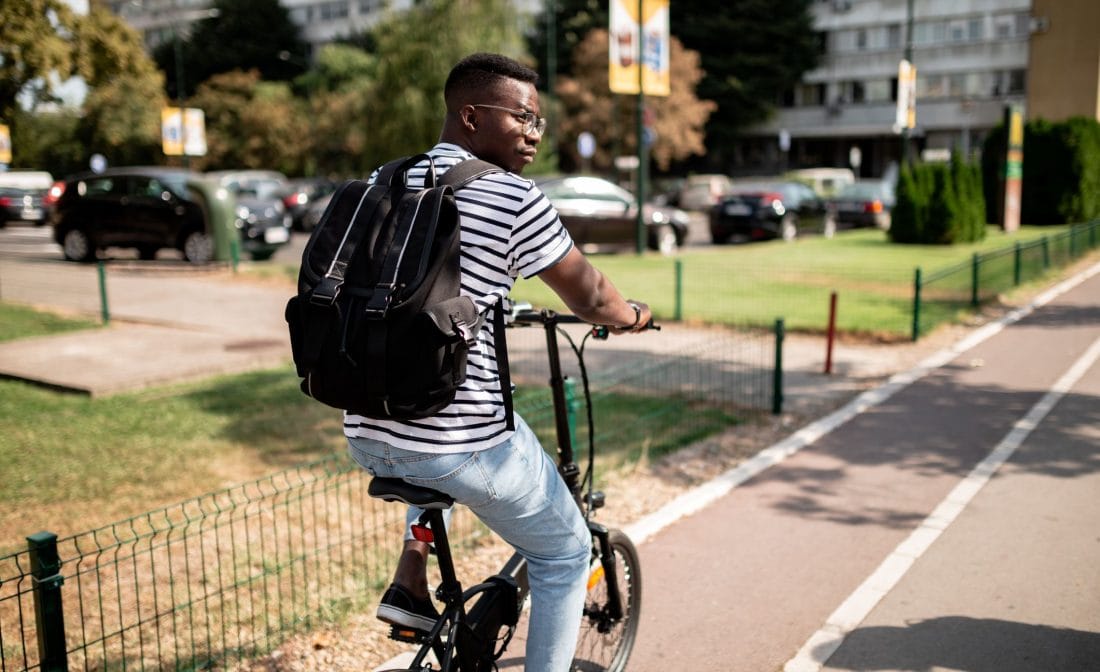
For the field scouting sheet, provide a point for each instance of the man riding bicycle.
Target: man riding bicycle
(467, 450)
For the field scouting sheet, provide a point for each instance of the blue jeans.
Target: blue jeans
(515, 489)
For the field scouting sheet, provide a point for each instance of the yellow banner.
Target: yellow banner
(183, 133)
(5, 144)
(635, 44)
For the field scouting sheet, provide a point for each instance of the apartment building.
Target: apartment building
(971, 58)
(1064, 60)
(321, 21)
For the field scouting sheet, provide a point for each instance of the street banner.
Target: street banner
(188, 137)
(1014, 168)
(5, 144)
(906, 114)
(626, 41)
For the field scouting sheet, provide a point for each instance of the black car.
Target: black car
(601, 216)
(262, 218)
(766, 210)
(147, 208)
(863, 204)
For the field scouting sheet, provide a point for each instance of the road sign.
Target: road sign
(586, 145)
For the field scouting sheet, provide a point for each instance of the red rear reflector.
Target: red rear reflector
(5, 201)
(421, 533)
(873, 206)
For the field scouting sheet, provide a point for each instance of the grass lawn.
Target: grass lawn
(755, 284)
(23, 322)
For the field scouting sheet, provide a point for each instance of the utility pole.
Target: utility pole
(909, 59)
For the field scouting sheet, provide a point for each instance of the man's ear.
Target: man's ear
(469, 117)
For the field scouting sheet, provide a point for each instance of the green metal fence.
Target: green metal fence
(942, 295)
(221, 579)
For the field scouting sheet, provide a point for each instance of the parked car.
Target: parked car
(304, 192)
(702, 192)
(863, 204)
(824, 181)
(21, 196)
(314, 210)
(147, 208)
(766, 210)
(602, 216)
(262, 217)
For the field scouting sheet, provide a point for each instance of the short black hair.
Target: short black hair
(482, 71)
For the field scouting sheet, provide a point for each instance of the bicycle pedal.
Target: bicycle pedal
(400, 633)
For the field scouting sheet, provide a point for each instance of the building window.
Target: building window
(861, 39)
(809, 95)
(893, 36)
(974, 30)
(1017, 79)
(877, 91)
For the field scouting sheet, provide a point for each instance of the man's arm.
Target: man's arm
(590, 295)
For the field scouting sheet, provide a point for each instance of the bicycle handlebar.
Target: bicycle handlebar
(547, 316)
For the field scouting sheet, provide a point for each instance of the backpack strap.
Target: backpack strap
(373, 199)
(503, 370)
(465, 172)
(460, 175)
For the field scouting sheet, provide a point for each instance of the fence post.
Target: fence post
(1046, 253)
(777, 374)
(48, 615)
(678, 307)
(104, 311)
(916, 304)
(1072, 241)
(571, 409)
(1017, 264)
(974, 268)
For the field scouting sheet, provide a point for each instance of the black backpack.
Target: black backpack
(378, 327)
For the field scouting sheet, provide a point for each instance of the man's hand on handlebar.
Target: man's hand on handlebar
(643, 319)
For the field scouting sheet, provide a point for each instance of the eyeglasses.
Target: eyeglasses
(531, 123)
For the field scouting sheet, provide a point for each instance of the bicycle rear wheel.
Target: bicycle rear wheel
(604, 644)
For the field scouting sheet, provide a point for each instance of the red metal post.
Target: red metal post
(830, 334)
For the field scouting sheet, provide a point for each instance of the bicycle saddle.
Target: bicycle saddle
(396, 490)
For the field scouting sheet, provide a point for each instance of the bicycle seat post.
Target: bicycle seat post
(449, 586)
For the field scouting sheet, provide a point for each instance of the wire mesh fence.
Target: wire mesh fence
(941, 296)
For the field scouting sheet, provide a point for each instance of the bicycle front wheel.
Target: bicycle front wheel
(605, 643)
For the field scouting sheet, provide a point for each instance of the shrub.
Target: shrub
(1061, 171)
(939, 204)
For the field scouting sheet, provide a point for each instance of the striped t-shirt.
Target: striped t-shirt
(509, 228)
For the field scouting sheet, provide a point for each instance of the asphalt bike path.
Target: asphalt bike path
(858, 526)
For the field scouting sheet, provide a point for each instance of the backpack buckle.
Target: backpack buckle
(325, 293)
(379, 301)
(464, 330)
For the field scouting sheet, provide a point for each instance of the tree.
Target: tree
(405, 108)
(588, 105)
(33, 47)
(126, 91)
(752, 51)
(251, 124)
(244, 35)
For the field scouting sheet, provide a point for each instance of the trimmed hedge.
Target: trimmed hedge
(939, 204)
(1061, 171)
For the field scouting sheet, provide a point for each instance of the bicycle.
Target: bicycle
(474, 640)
